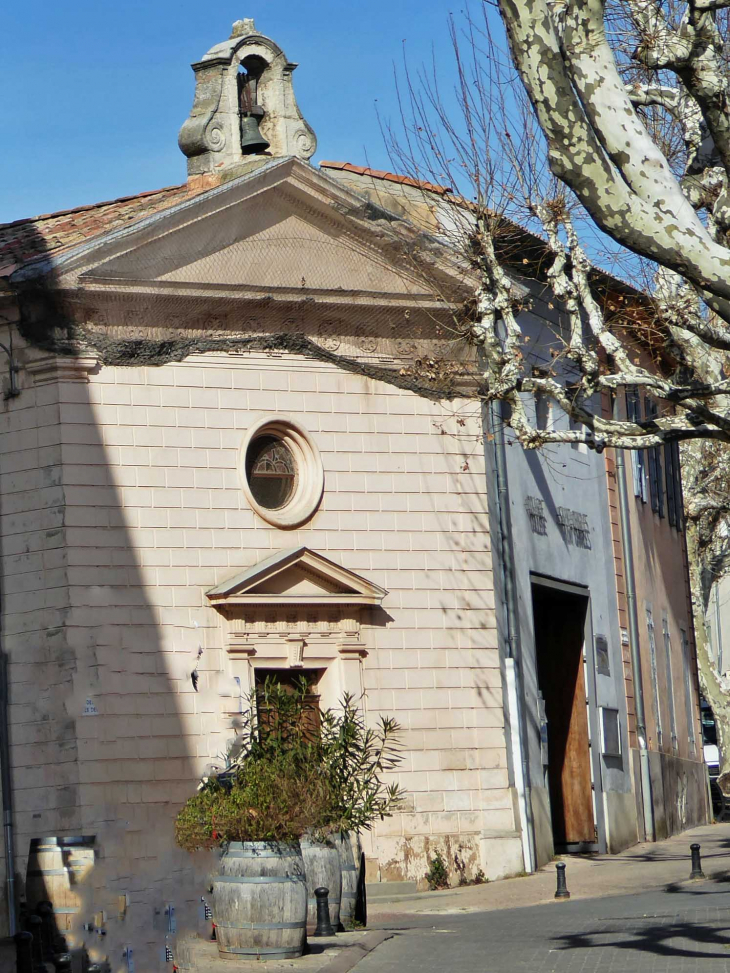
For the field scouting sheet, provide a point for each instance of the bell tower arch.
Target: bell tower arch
(244, 108)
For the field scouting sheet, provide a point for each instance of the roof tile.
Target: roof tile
(387, 176)
(25, 239)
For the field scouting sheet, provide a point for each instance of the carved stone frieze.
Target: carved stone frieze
(314, 618)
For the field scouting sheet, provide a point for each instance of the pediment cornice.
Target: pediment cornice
(135, 257)
(261, 584)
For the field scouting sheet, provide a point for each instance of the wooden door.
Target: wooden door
(559, 634)
(288, 679)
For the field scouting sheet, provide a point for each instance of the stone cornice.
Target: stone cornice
(54, 368)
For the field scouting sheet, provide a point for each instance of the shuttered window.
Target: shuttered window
(638, 456)
(654, 461)
(674, 484)
(670, 681)
(688, 698)
(654, 676)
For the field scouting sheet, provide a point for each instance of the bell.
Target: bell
(252, 141)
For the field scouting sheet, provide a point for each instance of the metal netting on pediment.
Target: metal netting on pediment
(274, 283)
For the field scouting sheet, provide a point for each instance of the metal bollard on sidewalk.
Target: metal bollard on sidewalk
(36, 928)
(324, 926)
(562, 890)
(696, 862)
(24, 952)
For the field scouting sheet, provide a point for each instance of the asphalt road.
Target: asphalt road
(683, 928)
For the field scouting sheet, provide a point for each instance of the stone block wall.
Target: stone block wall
(128, 507)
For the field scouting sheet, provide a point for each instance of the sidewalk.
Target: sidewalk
(329, 954)
(665, 924)
(651, 865)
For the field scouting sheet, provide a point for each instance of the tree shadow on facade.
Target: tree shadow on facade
(103, 716)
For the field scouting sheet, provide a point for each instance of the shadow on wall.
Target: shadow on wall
(103, 714)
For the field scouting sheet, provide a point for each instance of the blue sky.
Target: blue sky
(94, 93)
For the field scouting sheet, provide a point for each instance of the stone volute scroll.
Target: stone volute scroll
(244, 108)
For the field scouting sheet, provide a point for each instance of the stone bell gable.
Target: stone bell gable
(240, 84)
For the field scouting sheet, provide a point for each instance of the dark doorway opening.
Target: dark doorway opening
(560, 620)
(291, 680)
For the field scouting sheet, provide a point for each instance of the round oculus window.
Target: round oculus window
(270, 471)
(281, 471)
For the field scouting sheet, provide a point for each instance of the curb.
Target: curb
(427, 906)
(351, 955)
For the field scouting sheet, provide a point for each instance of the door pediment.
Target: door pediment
(298, 576)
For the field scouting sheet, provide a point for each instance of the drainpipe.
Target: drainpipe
(627, 544)
(6, 784)
(514, 694)
(5, 776)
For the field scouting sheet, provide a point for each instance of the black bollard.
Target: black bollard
(361, 902)
(45, 911)
(562, 890)
(24, 952)
(48, 929)
(35, 924)
(696, 862)
(324, 926)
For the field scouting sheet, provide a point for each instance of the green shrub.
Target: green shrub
(272, 799)
(291, 771)
(437, 875)
(354, 758)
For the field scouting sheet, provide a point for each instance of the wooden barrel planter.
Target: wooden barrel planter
(322, 868)
(349, 879)
(184, 956)
(56, 868)
(260, 901)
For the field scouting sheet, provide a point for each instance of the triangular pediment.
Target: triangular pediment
(299, 576)
(282, 231)
(284, 247)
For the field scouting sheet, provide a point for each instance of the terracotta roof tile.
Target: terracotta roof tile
(388, 176)
(22, 240)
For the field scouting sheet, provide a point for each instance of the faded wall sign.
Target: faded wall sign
(535, 508)
(573, 524)
(574, 527)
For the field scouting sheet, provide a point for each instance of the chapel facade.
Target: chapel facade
(243, 439)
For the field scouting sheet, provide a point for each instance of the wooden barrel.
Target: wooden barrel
(260, 901)
(322, 868)
(185, 955)
(56, 868)
(349, 878)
